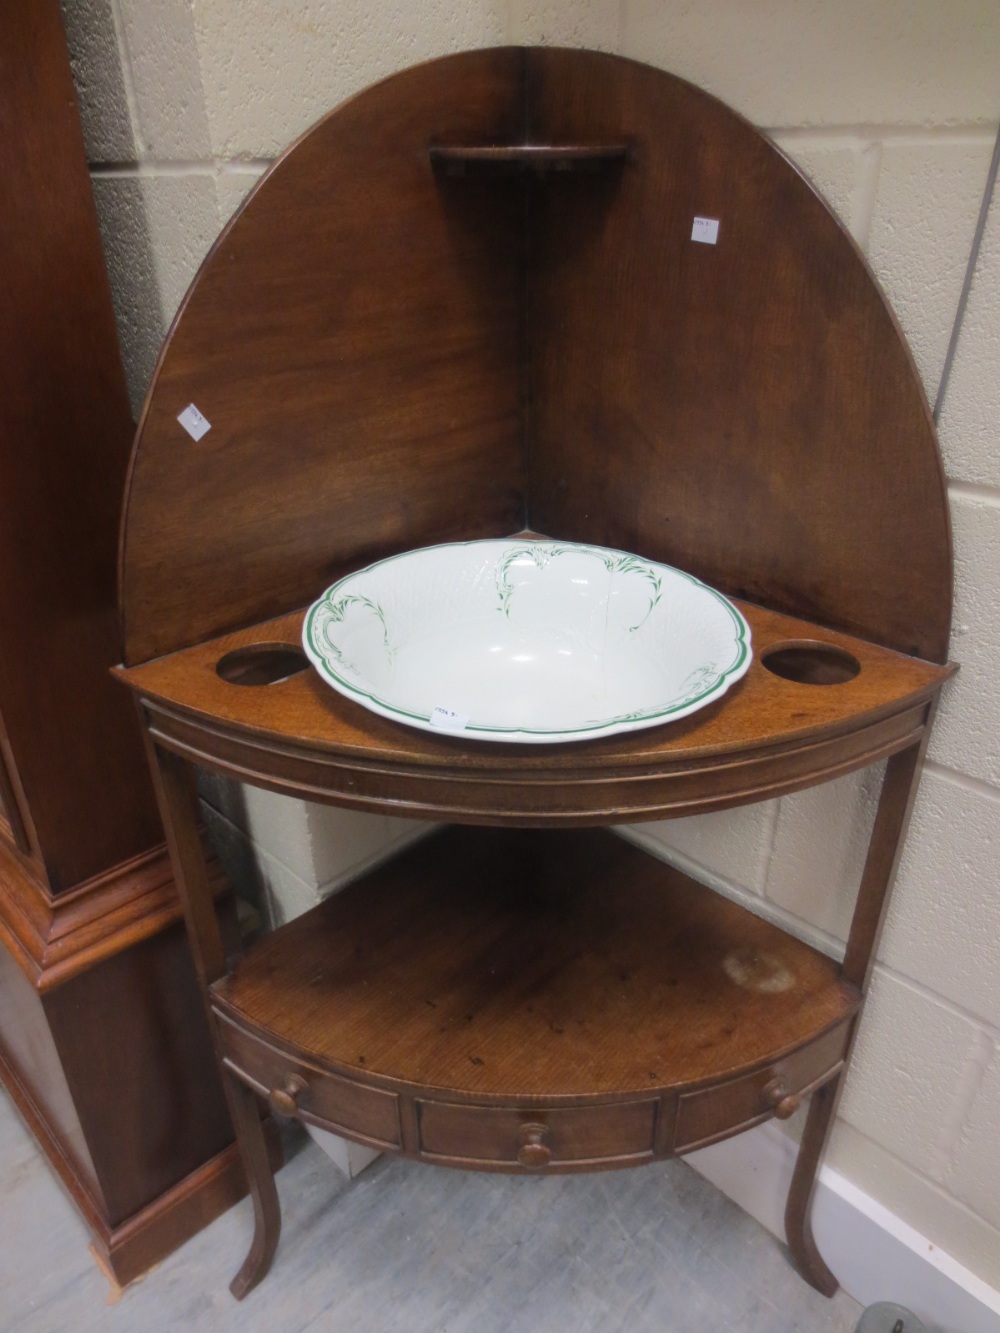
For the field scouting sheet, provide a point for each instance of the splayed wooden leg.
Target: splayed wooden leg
(899, 789)
(798, 1211)
(245, 1111)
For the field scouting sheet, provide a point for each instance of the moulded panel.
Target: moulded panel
(29, 1060)
(137, 1056)
(336, 1103)
(613, 1133)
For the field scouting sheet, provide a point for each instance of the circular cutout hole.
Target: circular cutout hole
(262, 664)
(809, 662)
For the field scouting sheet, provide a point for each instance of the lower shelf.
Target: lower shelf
(524, 999)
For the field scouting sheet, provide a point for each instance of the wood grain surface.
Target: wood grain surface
(103, 1042)
(501, 963)
(767, 735)
(747, 410)
(467, 303)
(354, 340)
(77, 792)
(392, 354)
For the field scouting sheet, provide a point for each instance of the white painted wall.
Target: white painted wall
(891, 107)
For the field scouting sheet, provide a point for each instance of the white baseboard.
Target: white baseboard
(875, 1255)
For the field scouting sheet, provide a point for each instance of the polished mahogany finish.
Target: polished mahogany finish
(103, 1043)
(66, 430)
(768, 735)
(747, 411)
(467, 304)
(390, 356)
(354, 340)
(607, 1012)
(508, 159)
(596, 971)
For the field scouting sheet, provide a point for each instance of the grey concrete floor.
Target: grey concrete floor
(417, 1248)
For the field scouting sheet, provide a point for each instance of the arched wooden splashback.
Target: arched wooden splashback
(395, 348)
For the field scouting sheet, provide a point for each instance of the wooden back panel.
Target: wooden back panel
(390, 357)
(747, 410)
(354, 341)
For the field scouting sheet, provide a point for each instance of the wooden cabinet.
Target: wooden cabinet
(103, 1043)
(468, 304)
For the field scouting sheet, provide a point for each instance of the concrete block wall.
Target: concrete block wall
(890, 107)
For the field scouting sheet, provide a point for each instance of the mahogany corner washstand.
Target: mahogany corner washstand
(467, 304)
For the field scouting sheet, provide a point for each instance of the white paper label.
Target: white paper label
(705, 230)
(448, 720)
(193, 422)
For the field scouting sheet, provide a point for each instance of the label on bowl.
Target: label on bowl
(448, 720)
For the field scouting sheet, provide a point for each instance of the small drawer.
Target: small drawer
(295, 1088)
(724, 1108)
(537, 1137)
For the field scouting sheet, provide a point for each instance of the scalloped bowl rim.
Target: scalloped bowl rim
(349, 590)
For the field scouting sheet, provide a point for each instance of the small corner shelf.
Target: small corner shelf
(517, 159)
(525, 990)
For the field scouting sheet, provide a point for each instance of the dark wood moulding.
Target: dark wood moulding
(104, 1048)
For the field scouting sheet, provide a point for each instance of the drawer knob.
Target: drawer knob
(533, 1153)
(783, 1103)
(285, 1100)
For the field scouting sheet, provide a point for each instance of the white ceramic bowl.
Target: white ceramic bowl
(522, 640)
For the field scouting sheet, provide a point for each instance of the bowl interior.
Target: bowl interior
(526, 638)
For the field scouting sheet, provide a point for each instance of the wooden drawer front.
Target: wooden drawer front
(537, 1137)
(715, 1112)
(325, 1099)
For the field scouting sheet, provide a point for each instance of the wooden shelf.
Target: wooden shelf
(510, 159)
(522, 969)
(766, 736)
